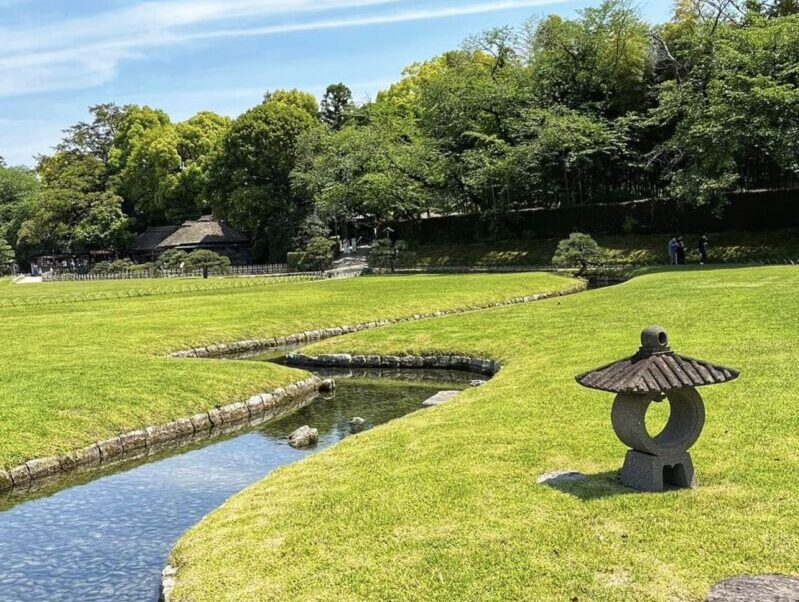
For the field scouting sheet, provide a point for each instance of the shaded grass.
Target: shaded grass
(443, 504)
(638, 249)
(71, 374)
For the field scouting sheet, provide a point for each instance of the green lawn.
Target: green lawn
(639, 249)
(49, 293)
(72, 373)
(443, 504)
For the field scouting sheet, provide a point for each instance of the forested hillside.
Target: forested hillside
(553, 112)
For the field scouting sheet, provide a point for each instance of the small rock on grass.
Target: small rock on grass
(560, 476)
(304, 436)
(757, 588)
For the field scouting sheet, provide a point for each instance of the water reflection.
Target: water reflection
(109, 538)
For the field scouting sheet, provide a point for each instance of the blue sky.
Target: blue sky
(60, 56)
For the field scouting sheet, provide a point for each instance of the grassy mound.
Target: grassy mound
(443, 504)
(74, 372)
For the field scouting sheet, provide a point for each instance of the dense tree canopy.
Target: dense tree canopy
(249, 176)
(163, 177)
(603, 107)
(19, 187)
(74, 212)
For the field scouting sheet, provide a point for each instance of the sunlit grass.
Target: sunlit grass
(74, 373)
(444, 505)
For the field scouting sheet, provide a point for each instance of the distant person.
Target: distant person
(702, 246)
(680, 251)
(671, 247)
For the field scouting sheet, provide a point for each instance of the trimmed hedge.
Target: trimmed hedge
(746, 211)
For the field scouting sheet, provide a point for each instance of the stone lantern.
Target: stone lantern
(656, 373)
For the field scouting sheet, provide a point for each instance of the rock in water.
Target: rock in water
(439, 398)
(327, 386)
(304, 436)
(356, 424)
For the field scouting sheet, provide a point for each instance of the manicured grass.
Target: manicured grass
(726, 247)
(75, 372)
(73, 292)
(443, 504)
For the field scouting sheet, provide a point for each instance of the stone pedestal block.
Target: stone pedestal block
(646, 472)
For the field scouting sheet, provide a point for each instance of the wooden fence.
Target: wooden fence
(239, 270)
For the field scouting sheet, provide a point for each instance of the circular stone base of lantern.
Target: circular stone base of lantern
(760, 588)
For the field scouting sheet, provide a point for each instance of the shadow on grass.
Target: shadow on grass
(596, 486)
(591, 487)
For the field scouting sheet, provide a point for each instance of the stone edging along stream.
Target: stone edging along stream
(257, 408)
(308, 336)
(139, 443)
(441, 362)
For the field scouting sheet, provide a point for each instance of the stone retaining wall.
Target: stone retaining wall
(309, 336)
(446, 362)
(154, 439)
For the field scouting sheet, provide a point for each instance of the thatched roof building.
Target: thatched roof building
(204, 233)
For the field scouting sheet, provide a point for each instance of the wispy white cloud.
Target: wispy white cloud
(84, 52)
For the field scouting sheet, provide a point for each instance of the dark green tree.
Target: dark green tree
(579, 250)
(6, 257)
(95, 137)
(336, 106)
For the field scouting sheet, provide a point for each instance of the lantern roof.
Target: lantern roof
(655, 368)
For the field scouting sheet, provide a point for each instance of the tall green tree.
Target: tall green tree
(249, 177)
(164, 176)
(600, 62)
(19, 187)
(336, 107)
(734, 112)
(375, 172)
(296, 98)
(134, 128)
(95, 137)
(74, 212)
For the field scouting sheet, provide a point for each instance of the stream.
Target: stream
(108, 536)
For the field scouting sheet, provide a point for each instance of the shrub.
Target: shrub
(383, 255)
(121, 265)
(101, 267)
(294, 260)
(143, 267)
(6, 257)
(630, 225)
(202, 258)
(317, 256)
(312, 227)
(172, 259)
(579, 250)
